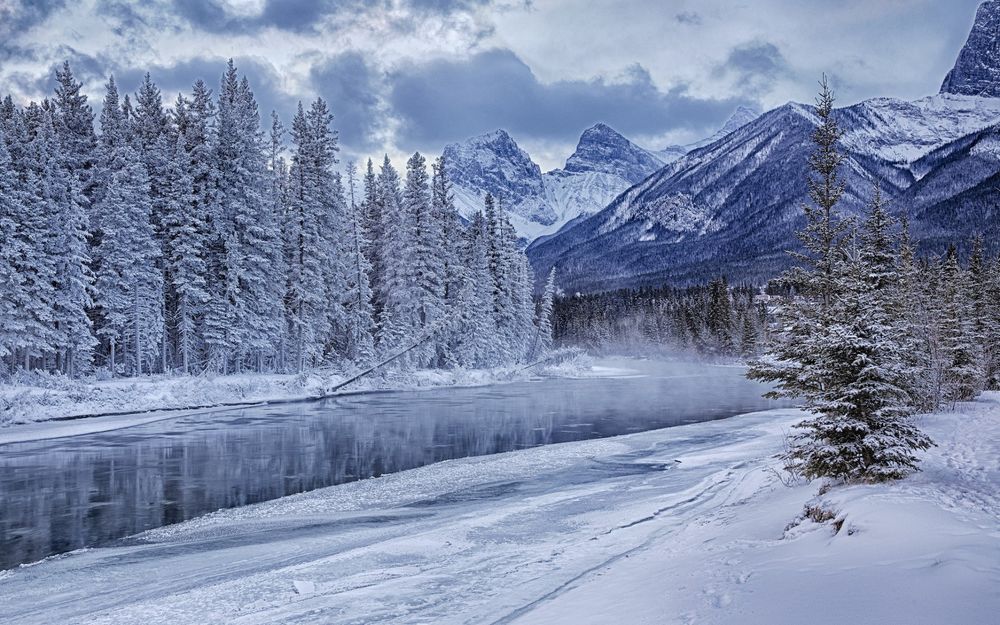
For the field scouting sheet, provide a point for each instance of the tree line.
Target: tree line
(868, 334)
(181, 239)
(713, 320)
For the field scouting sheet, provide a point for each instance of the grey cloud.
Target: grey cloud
(754, 66)
(690, 18)
(290, 15)
(444, 100)
(89, 70)
(350, 86)
(302, 15)
(16, 16)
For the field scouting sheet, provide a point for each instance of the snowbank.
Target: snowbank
(685, 525)
(38, 396)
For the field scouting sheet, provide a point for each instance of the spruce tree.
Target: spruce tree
(428, 258)
(15, 253)
(67, 245)
(543, 334)
(361, 344)
(397, 319)
(959, 345)
(130, 285)
(838, 348)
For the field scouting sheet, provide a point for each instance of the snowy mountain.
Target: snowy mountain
(733, 206)
(602, 149)
(604, 164)
(977, 71)
(494, 163)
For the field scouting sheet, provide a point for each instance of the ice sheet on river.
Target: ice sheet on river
(683, 525)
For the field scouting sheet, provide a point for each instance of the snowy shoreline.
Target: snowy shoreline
(56, 406)
(690, 524)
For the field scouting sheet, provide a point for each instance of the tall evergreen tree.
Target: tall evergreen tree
(74, 125)
(16, 322)
(959, 344)
(543, 340)
(68, 246)
(397, 320)
(362, 321)
(130, 285)
(428, 262)
(838, 348)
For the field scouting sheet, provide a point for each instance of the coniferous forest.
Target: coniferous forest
(713, 320)
(186, 237)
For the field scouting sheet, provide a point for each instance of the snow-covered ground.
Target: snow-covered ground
(684, 525)
(42, 397)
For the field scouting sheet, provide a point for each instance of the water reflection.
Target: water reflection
(64, 494)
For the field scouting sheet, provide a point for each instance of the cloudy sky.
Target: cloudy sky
(405, 75)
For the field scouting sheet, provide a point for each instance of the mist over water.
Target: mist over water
(64, 494)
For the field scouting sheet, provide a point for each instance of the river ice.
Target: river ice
(683, 525)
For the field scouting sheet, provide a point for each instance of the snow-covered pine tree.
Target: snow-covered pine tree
(243, 318)
(428, 260)
(311, 248)
(862, 431)
(36, 267)
(992, 337)
(543, 324)
(278, 201)
(186, 230)
(67, 245)
(959, 347)
(501, 247)
(130, 284)
(16, 303)
(522, 291)
(149, 131)
(720, 319)
(74, 125)
(838, 349)
(795, 359)
(338, 267)
(455, 271)
(259, 235)
(361, 343)
(398, 322)
(371, 211)
(478, 346)
(110, 150)
(915, 324)
(979, 284)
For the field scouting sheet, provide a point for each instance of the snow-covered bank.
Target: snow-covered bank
(684, 525)
(43, 397)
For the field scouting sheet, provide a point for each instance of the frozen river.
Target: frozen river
(88, 490)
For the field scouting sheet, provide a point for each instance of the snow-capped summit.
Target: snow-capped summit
(603, 149)
(977, 70)
(494, 163)
(604, 164)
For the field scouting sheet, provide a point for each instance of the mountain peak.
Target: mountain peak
(977, 70)
(493, 162)
(603, 149)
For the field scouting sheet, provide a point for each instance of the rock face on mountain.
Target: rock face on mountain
(977, 71)
(602, 149)
(494, 163)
